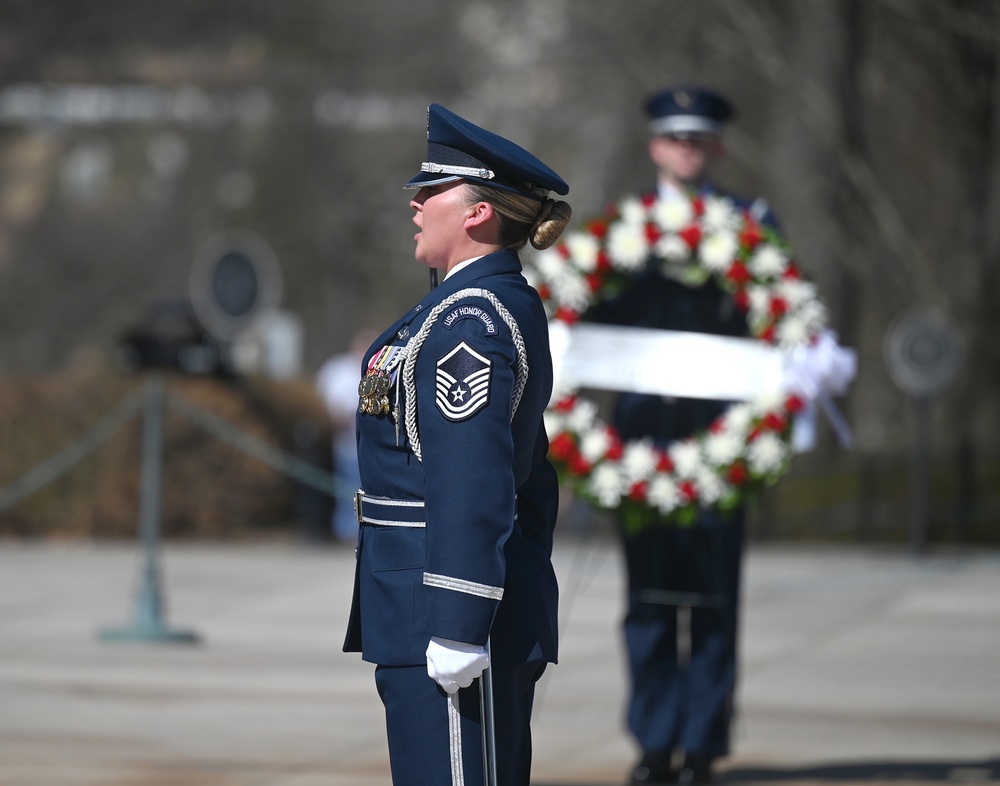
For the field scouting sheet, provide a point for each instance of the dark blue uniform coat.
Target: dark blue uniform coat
(481, 566)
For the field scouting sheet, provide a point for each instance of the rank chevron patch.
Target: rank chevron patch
(462, 382)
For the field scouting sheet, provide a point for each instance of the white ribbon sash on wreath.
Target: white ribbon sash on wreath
(699, 365)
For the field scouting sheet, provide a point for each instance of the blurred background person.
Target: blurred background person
(682, 654)
(337, 385)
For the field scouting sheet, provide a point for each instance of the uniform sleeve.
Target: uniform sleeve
(465, 380)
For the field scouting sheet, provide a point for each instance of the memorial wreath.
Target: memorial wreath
(694, 241)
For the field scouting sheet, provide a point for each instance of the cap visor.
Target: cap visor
(422, 179)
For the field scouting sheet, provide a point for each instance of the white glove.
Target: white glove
(454, 664)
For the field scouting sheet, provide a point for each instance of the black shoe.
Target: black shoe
(696, 769)
(653, 770)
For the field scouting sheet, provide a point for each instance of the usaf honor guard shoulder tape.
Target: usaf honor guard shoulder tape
(413, 350)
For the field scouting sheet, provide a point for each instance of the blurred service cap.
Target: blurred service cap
(688, 110)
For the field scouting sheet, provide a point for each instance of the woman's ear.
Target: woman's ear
(478, 214)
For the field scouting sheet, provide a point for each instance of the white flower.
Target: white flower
(813, 313)
(718, 250)
(627, 246)
(767, 261)
(639, 460)
(594, 444)
(736, 421)
(722, 448)
(664, 494)
(760, 300)
(766, 454)
(606, 485)
(561, 388)
(672, 248)
(711, 488)
(795, 292)
(719, 215)
(793, 331)
(686, 457)
(672, 215)
(582, 416)
(571, 290)
(583, 249)
(772, 401)
(632, 211)
(549, 263)
(555, 422)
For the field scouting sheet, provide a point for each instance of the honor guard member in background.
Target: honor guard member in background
(458, 499)
(679, 711)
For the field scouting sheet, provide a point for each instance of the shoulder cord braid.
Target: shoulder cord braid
(413, 349)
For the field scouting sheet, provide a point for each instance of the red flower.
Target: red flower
(563, 447)
(653, 233)
(567, 315)
(779, 306)
(565, 404)
(544, 292)
(648, 200)
(755, 432)
(688, 491)
(794, 404)
(598, 228)
(739, 275)
(699, 206)
(664, 463)
(691, 235)
(603, 262)
(768, 334)
(774, 422)
(742, 300)
(792, 271)
(594, 281)
(639, 491)
(578, 465)
(563, 250)
(751, 235)
(737, 473)
(616, 449)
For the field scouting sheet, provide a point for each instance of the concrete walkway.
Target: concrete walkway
(858, 667)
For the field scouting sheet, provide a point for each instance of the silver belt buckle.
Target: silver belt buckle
(357, 504)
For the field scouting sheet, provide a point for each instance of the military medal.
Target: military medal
(373, 389)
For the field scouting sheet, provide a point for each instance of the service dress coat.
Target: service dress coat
(459, 500)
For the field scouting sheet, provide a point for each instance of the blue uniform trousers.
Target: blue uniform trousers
(427, 748)
(676, 704)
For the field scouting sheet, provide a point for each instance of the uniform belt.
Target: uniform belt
(385, 512)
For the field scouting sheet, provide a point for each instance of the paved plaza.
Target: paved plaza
(859, 666)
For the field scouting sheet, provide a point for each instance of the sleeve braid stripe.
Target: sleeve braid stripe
(463, 585)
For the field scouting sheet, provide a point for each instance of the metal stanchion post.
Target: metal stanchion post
(148, 625)
(921, 477)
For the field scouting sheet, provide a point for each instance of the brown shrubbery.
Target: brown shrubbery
(209, 488)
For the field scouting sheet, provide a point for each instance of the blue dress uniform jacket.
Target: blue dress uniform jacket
(477, 562)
